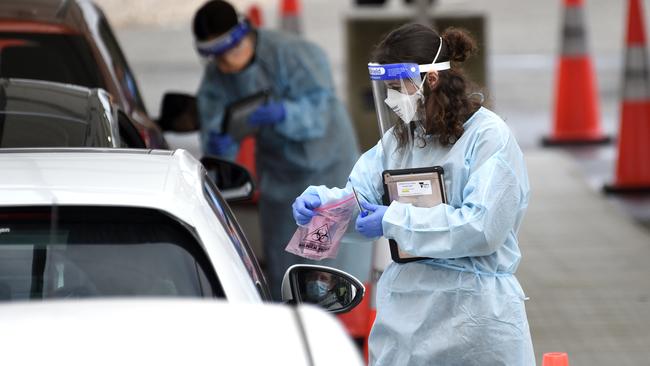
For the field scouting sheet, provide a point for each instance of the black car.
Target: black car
(70, 41)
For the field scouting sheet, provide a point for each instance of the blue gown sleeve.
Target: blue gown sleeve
(308, 93)
(212, 105)
(492, 198)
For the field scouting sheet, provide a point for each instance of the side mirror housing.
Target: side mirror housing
(179, 113)
(333, 290)
(233, 180)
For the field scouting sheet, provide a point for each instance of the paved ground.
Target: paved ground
(584, 269)
(585, 255)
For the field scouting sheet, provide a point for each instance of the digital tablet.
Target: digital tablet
(421, 187)
(235, 122)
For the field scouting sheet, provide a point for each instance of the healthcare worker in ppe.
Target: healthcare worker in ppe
(462, 304)
(304, 134)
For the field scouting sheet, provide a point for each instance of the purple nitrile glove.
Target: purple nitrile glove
(369, 225)
(219, 143)
(268, 114)
(303, 208)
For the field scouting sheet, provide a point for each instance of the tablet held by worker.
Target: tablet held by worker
(421, 187)
(238, 113)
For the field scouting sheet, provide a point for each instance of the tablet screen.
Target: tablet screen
(237, 113)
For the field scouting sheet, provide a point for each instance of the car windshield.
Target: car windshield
(69, 252)
(62, 58)
(17, 129)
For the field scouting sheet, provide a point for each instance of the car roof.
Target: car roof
(66, 12)
(159, 179)
(167, 332)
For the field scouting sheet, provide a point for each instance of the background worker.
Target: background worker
(462, 305)
(304, 134)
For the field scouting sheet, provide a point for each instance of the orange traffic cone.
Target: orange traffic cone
(555, 359)
(371, 322)
(290, 16)
(254, 15)
(356, 320)
(576, 104)
(633, 164)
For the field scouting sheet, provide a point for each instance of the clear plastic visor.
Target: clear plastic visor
(396, 90)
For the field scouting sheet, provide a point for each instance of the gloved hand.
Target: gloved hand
(218, 143)
(370, 225)
(268, 114)
(303, 208)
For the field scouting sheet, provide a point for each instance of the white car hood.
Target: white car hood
(167, 332)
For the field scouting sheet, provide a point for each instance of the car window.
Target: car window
(100, 252)
(120, 66)
(61, 58)
(227, 219)
(17, 130)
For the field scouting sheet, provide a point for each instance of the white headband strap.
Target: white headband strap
(433, 66)
(440, 66)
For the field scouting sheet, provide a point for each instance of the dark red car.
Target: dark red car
(70, 41)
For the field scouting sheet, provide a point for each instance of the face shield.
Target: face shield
(225, 42)
(398, 91)
(397, 94)
(399, 101)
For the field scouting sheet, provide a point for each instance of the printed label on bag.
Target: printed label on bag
(414, 188)
(318, 240)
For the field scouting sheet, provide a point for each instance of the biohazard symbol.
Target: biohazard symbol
(320, 235)
(318, 240)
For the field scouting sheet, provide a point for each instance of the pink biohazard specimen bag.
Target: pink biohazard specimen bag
(321, 238)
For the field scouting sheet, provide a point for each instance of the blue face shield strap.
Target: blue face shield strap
(225, 42)
(393, 71)
(406, 70)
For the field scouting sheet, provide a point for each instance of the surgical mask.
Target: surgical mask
(317, 289)
(404, 105)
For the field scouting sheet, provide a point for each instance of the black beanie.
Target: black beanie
(214, 18)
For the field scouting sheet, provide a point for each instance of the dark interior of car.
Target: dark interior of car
(80, 252)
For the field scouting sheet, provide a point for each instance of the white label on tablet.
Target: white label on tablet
(414, 188)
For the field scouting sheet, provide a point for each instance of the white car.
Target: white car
(126, 228)
(170, 332)
(134, 223)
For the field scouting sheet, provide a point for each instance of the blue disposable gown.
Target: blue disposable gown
(315, 144)
(464, 306)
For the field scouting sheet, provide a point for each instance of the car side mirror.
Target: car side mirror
(329, 288)
(179, 113)
(233, 180)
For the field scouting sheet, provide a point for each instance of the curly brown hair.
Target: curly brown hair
(449, 104)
